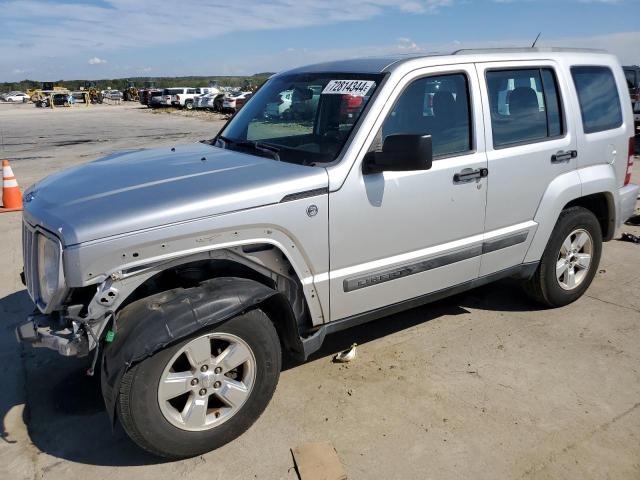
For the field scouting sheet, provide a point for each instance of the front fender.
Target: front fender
(150, 324)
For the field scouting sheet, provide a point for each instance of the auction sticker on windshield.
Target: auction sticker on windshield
(356, 88)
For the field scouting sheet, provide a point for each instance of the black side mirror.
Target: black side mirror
(401, 153)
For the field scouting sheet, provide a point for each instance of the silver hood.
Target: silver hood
(131, 191)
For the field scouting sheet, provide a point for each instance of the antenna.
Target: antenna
(536, 40)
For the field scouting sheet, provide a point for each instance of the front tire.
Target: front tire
(570, 260)
(191, 397)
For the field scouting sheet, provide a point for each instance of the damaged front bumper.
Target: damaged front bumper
(54, 332)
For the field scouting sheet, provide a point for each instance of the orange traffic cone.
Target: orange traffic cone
(11, 195)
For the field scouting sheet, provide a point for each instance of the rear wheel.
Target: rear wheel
(188, 105)
(203, 392)
(570, 260)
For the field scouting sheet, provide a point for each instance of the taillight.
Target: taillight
(178, 98)
(632, 152)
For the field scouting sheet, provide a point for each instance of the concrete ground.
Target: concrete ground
(483, 385)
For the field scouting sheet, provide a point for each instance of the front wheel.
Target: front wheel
(570, 260)
(203, 392)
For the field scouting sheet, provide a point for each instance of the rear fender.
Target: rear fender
(561, 190)
(564, 189)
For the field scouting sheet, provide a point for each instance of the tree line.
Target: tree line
(142, 82)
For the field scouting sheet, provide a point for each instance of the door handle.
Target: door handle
(561, 156)
(468, 174)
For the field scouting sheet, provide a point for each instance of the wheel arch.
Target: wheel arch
(263, 263)
(169, 316)
(590, 188)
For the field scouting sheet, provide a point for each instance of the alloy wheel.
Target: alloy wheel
(207, 381)
(574, 259)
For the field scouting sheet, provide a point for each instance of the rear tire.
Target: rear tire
(570, 260)
(163, 428)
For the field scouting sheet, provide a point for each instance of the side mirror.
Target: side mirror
(401, 153)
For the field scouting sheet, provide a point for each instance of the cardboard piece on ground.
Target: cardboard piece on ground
(318, 461)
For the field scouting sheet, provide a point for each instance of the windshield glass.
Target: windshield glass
(303, 118)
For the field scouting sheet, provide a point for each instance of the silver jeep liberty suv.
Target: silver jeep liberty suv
(380, 184)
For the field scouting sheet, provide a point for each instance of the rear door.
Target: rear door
(529, 144)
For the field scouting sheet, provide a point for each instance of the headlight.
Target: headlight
(48, 268)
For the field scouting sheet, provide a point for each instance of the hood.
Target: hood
(135, 190)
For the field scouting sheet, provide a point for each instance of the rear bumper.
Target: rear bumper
(628, 197)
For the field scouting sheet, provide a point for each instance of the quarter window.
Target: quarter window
(598, 97)
(436, 106)
(525, 106)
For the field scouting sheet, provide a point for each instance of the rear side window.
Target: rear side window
(525, 106)
(598, 97)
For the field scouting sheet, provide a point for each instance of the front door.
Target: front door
(395, 236)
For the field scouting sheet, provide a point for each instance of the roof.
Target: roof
(386, 63)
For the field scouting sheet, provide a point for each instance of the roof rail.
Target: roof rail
(463, 51)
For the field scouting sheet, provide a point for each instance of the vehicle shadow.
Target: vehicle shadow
(65, 414)
(504, 296)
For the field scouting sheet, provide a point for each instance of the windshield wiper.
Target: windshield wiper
(274, 152)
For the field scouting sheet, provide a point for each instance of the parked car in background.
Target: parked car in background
(186, 97)
(166, 97)
(5, 95)
(112, 94)
(632, 75)
(147, 93)
(16, 97)
(229, 102)
(240, 101)
(210, 101)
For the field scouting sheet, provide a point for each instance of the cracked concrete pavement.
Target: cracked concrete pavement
(481, 385)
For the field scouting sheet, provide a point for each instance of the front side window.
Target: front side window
(598, 98)
(525, 106)
(301, 118)
(436, 106)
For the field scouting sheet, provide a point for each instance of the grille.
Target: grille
(29, 256)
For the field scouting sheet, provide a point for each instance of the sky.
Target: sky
(50, 40)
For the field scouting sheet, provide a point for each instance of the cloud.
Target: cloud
(82, 26)
(34, 34)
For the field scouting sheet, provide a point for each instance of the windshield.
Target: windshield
(300, 118)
